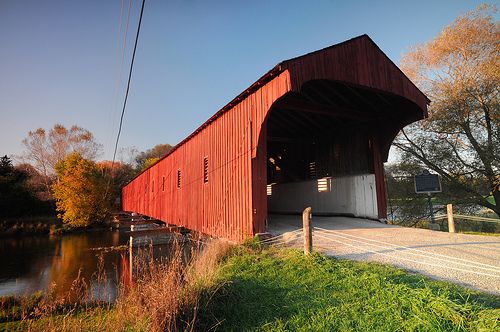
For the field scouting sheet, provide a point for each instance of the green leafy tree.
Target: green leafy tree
(405, 207)
(80, 192)
(460, 71)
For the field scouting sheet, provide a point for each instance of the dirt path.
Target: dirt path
(470, 260)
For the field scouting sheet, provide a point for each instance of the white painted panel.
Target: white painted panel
(350, 194)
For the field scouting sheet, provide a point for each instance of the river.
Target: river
(39, 263)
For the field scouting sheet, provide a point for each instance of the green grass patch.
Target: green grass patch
(281, 290)
(92, 319)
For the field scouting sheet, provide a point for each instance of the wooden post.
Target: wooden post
(306, 214)
(451, 222)
(130, 257)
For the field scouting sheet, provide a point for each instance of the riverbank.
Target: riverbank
(31, 225)
(254, 288)
(43, 225)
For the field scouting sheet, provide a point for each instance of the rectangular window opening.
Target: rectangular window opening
(205, 170)
(324, 184)
(178, 178)
(312, 170)
(269, 189)
(153, 186)
(162, 183)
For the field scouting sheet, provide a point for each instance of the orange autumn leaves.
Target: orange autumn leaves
(80, 192)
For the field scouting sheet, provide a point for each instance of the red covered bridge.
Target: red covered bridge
(313, 131)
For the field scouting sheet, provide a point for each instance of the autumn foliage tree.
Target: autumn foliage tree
(460, 72)
(45, 148)
(80, 192)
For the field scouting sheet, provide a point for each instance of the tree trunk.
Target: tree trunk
(496, 197)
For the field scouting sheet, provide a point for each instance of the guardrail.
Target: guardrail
(451, 218)
(474, 218)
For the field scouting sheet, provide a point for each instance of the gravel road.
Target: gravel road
(469, 260)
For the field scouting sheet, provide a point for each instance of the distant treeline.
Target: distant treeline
(60, 177)
(21, 193)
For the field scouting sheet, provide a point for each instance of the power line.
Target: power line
(126, 97)
(128, 84)
(121, 53)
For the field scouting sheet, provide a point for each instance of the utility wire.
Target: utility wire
(126, 97)
(121, 53)
(128, 84)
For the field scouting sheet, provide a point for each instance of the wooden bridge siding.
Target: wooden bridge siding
(189, 206)
(263, 100)
(204, 207)
(222, 207)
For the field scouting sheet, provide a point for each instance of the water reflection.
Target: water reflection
(29, 264)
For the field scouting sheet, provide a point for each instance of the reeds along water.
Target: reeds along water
(164, 294)
(169, 290)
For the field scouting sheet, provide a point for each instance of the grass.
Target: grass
(250, 288)
(281, 290)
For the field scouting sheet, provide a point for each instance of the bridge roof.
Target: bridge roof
(357, 61)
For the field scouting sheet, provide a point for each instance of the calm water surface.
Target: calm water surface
(37, 263)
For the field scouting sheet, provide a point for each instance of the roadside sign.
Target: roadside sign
(427, 183)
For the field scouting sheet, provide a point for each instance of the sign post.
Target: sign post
(427, 183)
(431, 208)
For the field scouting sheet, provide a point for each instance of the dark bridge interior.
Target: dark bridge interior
(325, 130)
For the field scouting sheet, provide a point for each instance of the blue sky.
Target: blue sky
(60, 60)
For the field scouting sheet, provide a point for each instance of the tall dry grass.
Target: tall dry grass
(165, 295)
(60, 311)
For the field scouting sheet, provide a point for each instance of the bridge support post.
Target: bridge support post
(451, 221)
(130, 257)
(306, 221)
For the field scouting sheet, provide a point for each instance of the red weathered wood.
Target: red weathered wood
(233, 204)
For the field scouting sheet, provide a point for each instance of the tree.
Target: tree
(35, 182)
(80, 192)
(148, 163)
(6, 165)
(16, 195)
(117, 174)
(145, 159)
(45, 149)
(460, 72)
(405, 207)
